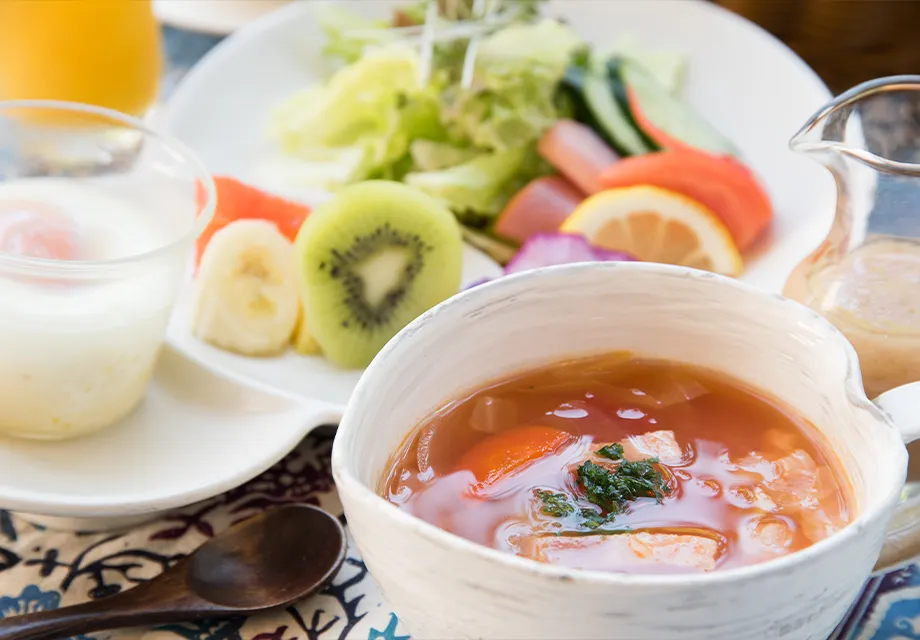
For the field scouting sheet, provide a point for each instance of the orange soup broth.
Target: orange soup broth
(731, 439)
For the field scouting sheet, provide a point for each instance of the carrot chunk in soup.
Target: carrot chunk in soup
(622, 464)
(509, 451)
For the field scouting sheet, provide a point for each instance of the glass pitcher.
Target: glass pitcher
(865, 276)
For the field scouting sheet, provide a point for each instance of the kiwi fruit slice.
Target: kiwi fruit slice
(372, 259)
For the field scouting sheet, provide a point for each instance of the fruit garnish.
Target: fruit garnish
(720, 183)
(510, 451)
(239, 201)
(549, 249)
(371, 260)
(541, 206)
(37, 230)
(303, 341)
(246, 294)
(656, 225)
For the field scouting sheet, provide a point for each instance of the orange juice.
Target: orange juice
(102, 52)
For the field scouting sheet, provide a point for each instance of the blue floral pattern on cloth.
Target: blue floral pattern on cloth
(32, 599)
(44, 569)
(887, 609)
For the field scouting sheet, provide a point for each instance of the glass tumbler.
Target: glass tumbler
(80, 330)
(102, 52)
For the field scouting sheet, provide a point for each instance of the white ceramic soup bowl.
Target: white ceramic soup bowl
(445, 587)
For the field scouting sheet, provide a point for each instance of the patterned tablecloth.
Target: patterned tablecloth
(42, 569)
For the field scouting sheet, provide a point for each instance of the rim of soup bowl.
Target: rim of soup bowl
(347, 480)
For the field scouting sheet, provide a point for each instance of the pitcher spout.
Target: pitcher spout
(836, 131)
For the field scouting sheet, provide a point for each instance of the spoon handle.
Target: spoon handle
(59, 623)
(146, 603)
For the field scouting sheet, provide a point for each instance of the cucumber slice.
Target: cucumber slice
(620, 95)
(667, 67)
(609, 114)
(664, 66)
(661, 116)
(572, 86)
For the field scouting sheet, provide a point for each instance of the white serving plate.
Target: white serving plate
(742, 79)
(197, 434)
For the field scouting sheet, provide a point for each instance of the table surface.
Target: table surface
(42, 569)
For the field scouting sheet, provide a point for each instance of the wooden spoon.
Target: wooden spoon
(266, 561)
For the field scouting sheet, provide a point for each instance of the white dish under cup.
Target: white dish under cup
(214, 17)
(197, 434)
(100, 426)
(434, 579)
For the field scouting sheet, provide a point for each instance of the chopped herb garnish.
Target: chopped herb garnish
(613, 451)
(591, 519)
(611, 489)
(555, 504)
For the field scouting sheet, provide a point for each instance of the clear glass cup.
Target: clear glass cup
(102, 52)
(80, 333)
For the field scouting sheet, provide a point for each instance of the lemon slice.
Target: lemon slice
(656, 225)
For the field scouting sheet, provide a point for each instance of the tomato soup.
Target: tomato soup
(616, 463)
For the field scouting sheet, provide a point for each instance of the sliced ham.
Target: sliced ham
(540, 207)
(577, 153)
(625, 551)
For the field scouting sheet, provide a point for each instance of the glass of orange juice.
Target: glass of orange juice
(100, 52)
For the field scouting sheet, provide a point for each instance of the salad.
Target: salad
(454, 120)
(503, 111)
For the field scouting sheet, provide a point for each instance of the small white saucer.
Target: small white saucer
(215, 17)
(197, 434)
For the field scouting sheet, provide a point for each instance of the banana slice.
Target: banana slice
(246, 295)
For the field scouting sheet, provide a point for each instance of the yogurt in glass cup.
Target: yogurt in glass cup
(98, 216)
